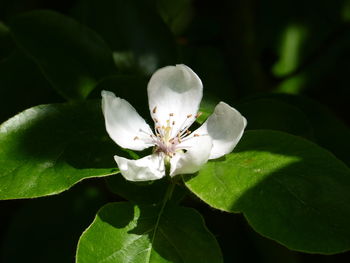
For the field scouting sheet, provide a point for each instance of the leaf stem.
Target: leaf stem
(166, 198)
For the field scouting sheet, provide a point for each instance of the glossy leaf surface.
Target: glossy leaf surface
(289, 189)
(123, 232)
(46, 149)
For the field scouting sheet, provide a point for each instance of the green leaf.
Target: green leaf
(47, 149)
(134, 31)
(123, 232)
(72, 57)
(206, 108)
(328, 131)
(288, 188)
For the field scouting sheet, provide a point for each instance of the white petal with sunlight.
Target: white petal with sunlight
(123, 123)
(147, 168)
(225, 127)
(197, 154)
(175, 90)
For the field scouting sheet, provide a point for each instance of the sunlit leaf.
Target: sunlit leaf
(47, 149)
(328, 131)
(123, 232)
(288, 188)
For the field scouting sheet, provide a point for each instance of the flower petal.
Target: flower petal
(197, 154)
(174, 90)
(225, 127)
(147, 168)
(123, 123)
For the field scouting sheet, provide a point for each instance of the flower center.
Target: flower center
(166, 139)
(170, 141)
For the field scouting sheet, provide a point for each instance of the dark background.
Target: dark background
(241, 50)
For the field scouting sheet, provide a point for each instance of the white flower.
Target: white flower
(174, 95)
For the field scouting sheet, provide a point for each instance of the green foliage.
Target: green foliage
(46, 149)
(326, 130)
(246, 53)
(289, 189)
(123, 232)
(133, 30)
(72, 57)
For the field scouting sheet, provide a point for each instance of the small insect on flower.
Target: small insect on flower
(174, 95)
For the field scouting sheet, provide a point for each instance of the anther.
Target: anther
(188, 132)
(154, 109)
(155, 120)
(171, 114)
(189, 115)
(136, 138)
(198, 114)
(196, 135)
(173, 123)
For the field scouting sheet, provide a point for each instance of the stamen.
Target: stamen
(146, 139)
(198, 115)
(140, 130)
(167, 142)
(183, 127)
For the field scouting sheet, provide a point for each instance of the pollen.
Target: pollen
(198, 114)
(168, 140)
